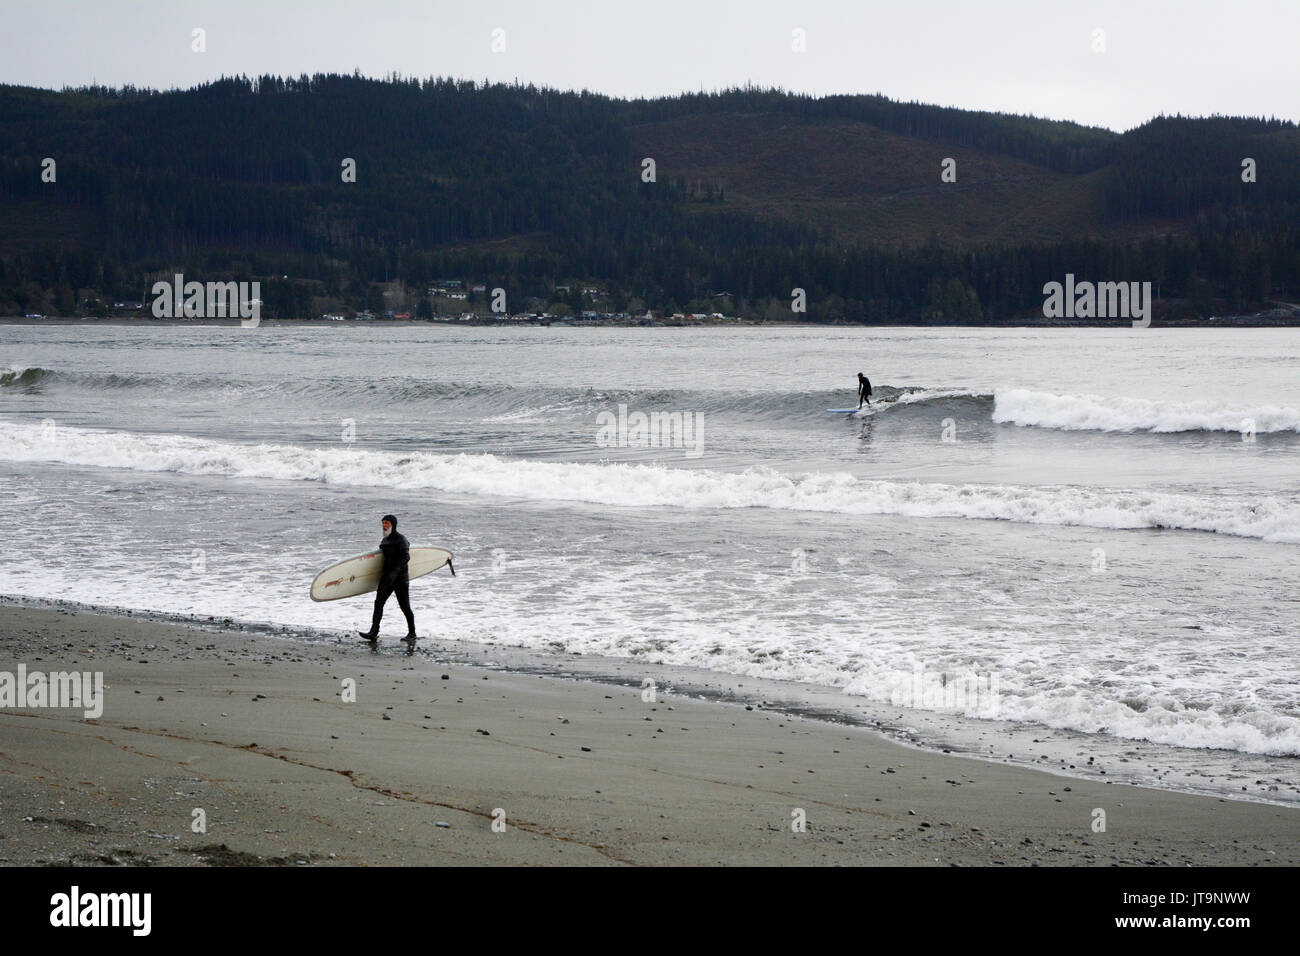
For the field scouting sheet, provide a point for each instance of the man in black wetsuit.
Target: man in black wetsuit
(864, 390)
(393, 580)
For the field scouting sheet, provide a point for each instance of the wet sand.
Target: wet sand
(487, 767)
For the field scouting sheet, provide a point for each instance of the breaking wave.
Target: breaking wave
(1269, 518)
(1096, 413)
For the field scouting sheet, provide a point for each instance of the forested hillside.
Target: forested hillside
(756, 192)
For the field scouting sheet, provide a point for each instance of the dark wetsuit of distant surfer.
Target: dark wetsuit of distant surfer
(864, 390)
(393, 580)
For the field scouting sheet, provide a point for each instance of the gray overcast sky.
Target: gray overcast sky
(1194, 57)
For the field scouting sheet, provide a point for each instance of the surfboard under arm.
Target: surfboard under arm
(360, 575)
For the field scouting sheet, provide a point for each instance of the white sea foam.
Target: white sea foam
(1053, 694)
(921, 395)
(1097, 413)
(1011, 680)
(520, 415)
(1271, 518)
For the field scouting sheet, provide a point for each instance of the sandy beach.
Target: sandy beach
(431, 759)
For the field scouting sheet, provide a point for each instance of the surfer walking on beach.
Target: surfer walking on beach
(864, 390)
(394, 579)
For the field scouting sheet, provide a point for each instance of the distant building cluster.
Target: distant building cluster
(444, 293)
(586, 317)
(449, 300)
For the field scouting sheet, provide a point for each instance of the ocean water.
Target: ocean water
(1083, 536)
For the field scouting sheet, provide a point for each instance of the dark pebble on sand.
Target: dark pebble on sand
(483, 732)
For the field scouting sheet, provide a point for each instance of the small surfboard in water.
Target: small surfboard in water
(842, 411)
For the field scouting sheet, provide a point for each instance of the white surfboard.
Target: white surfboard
(360, 575)
(843, 411)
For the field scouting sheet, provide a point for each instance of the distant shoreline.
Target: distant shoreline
(1240, 322)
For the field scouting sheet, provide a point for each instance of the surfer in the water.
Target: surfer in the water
(393, 580)
(864, 390)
